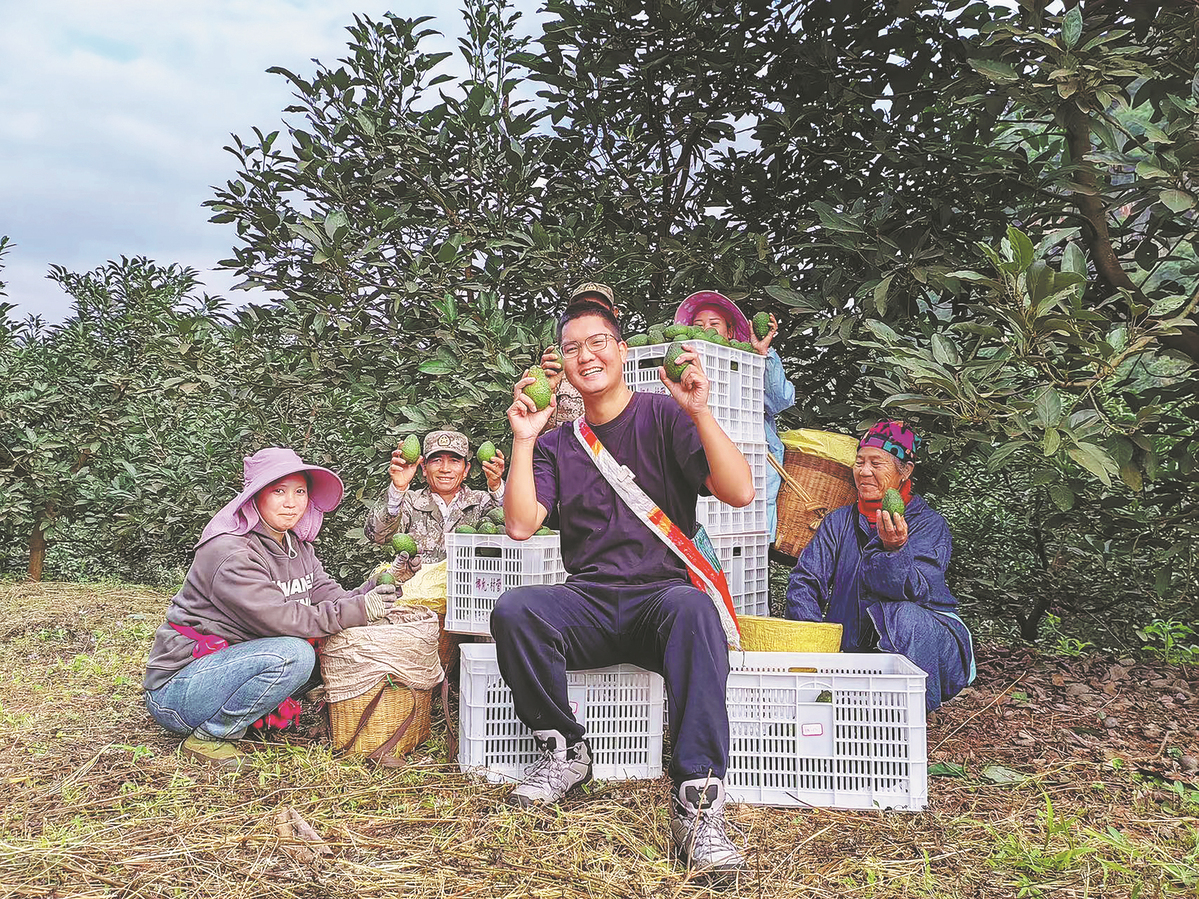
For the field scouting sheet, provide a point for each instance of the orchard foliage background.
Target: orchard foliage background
(978, 218)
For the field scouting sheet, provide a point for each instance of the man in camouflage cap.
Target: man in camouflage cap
(429, 513)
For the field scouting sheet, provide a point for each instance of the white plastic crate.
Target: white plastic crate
(867, 748)
(737, 378)
(720, 518)
(621, 708)
(480, 567)
(747, 568)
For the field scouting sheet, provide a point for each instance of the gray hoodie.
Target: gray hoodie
(244, 587)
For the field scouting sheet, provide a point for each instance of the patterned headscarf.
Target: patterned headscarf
(895, 438)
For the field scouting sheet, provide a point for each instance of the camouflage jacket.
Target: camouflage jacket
(420, 516)
(570, 405)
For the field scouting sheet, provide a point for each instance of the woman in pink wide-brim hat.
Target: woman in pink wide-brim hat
(715, 311)
(236, 646)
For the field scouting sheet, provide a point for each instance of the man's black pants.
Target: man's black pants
(670, 628)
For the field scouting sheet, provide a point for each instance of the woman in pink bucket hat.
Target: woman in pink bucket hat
(713, 310)
(236, 647)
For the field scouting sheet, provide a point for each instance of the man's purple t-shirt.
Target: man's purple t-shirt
(603, 541)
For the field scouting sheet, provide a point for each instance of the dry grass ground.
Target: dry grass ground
(97, 802)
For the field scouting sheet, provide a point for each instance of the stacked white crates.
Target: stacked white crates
(736, 396)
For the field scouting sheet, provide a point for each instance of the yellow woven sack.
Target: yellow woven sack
(780, 635)
(426, 588)
(822, 444)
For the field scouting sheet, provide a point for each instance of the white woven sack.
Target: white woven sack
(402, 646)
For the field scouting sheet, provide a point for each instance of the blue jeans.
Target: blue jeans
(218, 696)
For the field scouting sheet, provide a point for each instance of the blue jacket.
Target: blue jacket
(845, 575)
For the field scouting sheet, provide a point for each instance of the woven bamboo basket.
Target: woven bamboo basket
(780, 635)
(393, 705)
(812, 487)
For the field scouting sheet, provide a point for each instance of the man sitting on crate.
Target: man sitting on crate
(429, 513)
(627, 597)
(881, 573)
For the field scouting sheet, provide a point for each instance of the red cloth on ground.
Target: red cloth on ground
(871, 507)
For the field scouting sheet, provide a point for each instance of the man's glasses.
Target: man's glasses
(596, 343)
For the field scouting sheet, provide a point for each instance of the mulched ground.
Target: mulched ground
(1052, 776)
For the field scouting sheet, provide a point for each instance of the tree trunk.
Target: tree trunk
(37, 547)
(1030, 623)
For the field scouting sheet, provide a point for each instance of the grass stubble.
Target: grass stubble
(95, 801)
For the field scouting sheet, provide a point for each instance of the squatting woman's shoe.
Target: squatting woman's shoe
(221, 753)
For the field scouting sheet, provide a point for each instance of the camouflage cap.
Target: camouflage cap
(593, 287)
(446, 442)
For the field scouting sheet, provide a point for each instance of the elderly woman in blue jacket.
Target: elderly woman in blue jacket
(882, 575)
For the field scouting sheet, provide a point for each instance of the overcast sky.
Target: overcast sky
(113, 116)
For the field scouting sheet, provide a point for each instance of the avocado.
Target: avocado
(893, 502)
(656, 335)
(403, 543)
(674, 371)
(385, 577)
(543, 532)
(496, 515)
(674, 332)
(486, 527)
(761, 324)
(486, 452)
(410, 448)
(539, 391)
(638, 340)
(465, 529)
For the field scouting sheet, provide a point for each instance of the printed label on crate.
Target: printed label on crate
(577, 696)
(491, 585)
(812, 730)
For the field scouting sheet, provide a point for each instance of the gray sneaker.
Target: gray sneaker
(698, 828)
(560, 769)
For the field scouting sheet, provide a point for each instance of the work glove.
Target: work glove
(404, 567)
(380, 601)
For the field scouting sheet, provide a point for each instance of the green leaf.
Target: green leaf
(1072, 27)
(997, 458)
(1062, 496)
(1131, 475)
(999, 72)
(793, 298)
(1022, 249)
(946, 769)
(1003, 776)
(882, 331)
(1053, 439)
(435, 367)
(1074, 260)
(944, 350)
(1094, 459)
(1176, 200)
(1048, 407)
(335, 220)
(880, 294)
